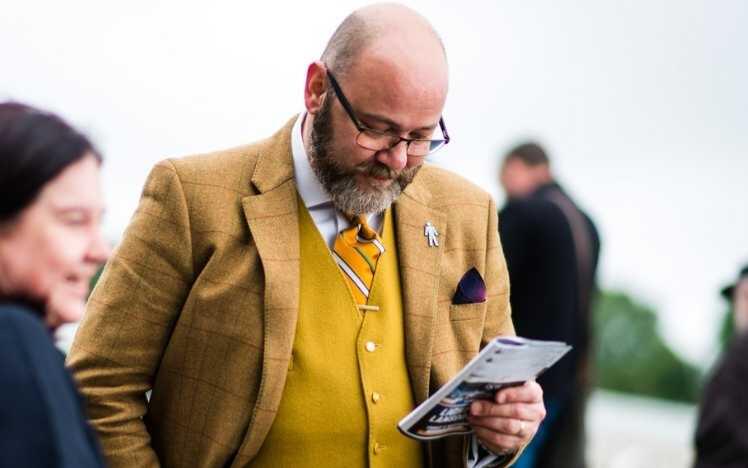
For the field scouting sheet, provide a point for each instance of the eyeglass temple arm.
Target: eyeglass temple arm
(444, 129)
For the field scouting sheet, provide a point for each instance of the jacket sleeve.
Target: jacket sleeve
(498, 322)
(498, 317)
(129, 319)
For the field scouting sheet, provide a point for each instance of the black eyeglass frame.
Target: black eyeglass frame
(440, 143)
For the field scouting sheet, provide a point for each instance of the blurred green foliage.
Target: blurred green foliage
(632, 357)
(94, 279)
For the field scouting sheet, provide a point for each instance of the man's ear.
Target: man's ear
(315, 87)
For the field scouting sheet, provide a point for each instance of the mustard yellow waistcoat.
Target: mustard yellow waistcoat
(347, 384)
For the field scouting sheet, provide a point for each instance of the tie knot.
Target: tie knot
(357, 251)
(364, 229)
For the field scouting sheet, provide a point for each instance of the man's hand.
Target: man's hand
(508, 422)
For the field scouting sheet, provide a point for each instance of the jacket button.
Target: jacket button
(378, 448)
(375, 397)
(370, 346)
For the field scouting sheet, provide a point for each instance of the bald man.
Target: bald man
(288, 301)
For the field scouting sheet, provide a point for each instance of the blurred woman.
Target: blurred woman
(50, 246)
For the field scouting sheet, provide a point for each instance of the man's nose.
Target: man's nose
(396, 158)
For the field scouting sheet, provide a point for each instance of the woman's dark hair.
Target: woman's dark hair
(35, 146)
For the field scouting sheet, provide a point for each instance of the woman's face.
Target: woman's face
(54, 247)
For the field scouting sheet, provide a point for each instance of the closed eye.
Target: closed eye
(385, 125)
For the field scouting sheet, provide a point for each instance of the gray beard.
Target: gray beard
(349, 198)
(340, 184)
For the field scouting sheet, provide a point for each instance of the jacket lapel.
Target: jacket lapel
(419, 273)
(273, 221)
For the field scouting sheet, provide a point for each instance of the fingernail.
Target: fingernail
(475, 408)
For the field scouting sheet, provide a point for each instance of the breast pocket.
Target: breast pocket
(463, 312)
(463, 327)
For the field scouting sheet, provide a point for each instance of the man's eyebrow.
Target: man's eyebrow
(391, 123)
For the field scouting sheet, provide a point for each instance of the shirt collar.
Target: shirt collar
(309, 187)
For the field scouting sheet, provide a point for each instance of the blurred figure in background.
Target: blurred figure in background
(551, 248)
(50, 246)
(737, 296)
(722, 429)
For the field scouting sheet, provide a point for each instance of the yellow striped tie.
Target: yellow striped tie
(356, 251)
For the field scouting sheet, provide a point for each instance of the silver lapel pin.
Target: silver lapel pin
(429, 230)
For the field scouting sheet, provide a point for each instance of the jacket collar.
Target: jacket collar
(274, 164)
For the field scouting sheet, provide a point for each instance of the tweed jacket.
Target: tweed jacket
(199, 305)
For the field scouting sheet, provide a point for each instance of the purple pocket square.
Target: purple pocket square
(471, 289)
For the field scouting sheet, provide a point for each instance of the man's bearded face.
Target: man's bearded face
(339, 179)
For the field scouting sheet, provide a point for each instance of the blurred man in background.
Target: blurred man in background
(551, 248)
(722, 430)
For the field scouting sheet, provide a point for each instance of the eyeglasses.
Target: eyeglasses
(376, 140)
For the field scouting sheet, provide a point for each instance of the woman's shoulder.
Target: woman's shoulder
(25, 339)
(21, 323)
(40, 413)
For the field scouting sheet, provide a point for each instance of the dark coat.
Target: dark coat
(548, 301)
(722, 430)
(42, 423)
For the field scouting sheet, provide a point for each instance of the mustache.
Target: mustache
(378, 170)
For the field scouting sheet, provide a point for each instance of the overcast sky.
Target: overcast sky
(643, 106)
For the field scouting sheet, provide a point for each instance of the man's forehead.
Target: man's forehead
(398, 82)
(418, 51)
